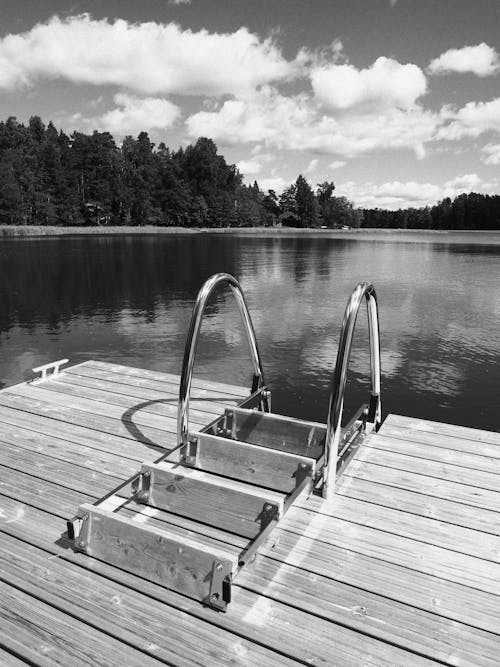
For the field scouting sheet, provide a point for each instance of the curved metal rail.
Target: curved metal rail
(373, 414)
(192, 343)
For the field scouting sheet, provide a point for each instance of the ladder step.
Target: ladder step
(158, 554)
(266, 467)
(227, 504)
(274, 431)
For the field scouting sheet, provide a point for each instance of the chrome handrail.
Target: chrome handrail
(192, 343)
(336, 405)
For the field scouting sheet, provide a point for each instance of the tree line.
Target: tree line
(48, 177)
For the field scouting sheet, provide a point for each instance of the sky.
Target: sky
(396, 101)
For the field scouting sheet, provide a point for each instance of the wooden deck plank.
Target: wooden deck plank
(443, 471)
(10, 660)
(463, 432)
(51, 426)
(402, 567)
(145, 388)
(123, 615)
(41, 632)
(416, 555)
(153, 437)
(441, 440)
(327, 559)
(231, 389)
(408, 447)
(451, 537)
(430, 486)
(413, 502)
(40, 445)
(259, 619)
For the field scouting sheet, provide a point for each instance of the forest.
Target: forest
(48, 177)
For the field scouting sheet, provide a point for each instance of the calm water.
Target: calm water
(128, 299)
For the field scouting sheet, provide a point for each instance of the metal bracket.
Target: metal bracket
(228, 427)
(190, 452)
(141, 486)
(220, 586)
(48, 371)
(270, 512)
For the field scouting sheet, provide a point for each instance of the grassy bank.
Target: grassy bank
(7, 231)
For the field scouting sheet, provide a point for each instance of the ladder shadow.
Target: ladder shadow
(135, 431)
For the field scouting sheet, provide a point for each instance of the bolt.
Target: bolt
(147, 473)
(85, 517)
(81, 544)
(268, 507)
(219, 567)
(214, 597)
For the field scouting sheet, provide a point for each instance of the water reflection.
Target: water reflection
(129, 299)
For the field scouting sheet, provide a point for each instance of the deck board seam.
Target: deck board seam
(415, 472)
(424, 458)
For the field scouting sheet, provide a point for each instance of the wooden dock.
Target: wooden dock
(402, 567)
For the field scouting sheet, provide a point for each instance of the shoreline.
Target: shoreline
(33, 231)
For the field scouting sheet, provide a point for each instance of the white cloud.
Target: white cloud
(386, 83)
(311, 166)
(396, 194)
(249, 167)
(471, 120)
(133, 115)
(491, 154)
(337, 164)
(296, 123)
(149, 58)
(481, 60)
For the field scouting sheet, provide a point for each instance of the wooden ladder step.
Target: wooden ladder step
(270, 468)
(274, 431)
(228, 504)
(159, 554)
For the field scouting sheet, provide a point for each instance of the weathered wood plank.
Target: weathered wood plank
(249, 463)
(153, 437)
(145, 388)
(39, 446)
(421, 450)
(430, 486)
(131, 415)
(10, 660)
(163, 405)
(441, 440)
(427, 592)
(422, 529)
(80, 435)
(124, 614)
(426, 633)
(224, 503)
(416, 555)
(263, 620)
(158, 554)
(443, 471)
(413, 502)
(278, 432)
(37, 629)
(477, 435)
(235, 390)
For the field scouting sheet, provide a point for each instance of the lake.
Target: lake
(128, 299)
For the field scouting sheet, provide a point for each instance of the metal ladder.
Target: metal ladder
(196, 516)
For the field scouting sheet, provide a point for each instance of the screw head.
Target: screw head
(219, 567)
(85, 517)
(268, 507)
(81, 544)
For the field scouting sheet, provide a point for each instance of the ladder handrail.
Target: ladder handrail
(192, 343)
(336, 405)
